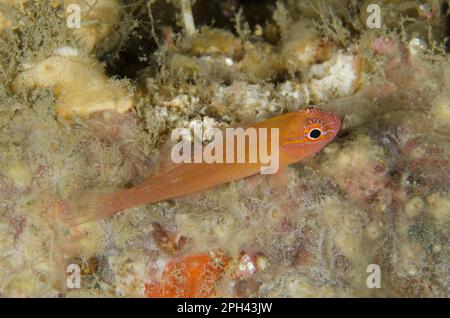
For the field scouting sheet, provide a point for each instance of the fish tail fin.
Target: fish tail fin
(87, 206)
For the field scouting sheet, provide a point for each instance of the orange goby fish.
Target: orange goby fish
(301, 134)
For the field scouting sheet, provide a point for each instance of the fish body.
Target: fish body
(299, 135)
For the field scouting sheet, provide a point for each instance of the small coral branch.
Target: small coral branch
(188, 19)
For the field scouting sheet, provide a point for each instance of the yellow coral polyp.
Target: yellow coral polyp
(80, 86)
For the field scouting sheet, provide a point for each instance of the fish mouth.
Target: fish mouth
(333, 122)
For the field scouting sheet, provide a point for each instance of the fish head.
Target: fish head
(310, 130)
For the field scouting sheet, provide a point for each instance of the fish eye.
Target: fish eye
(314, 133)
